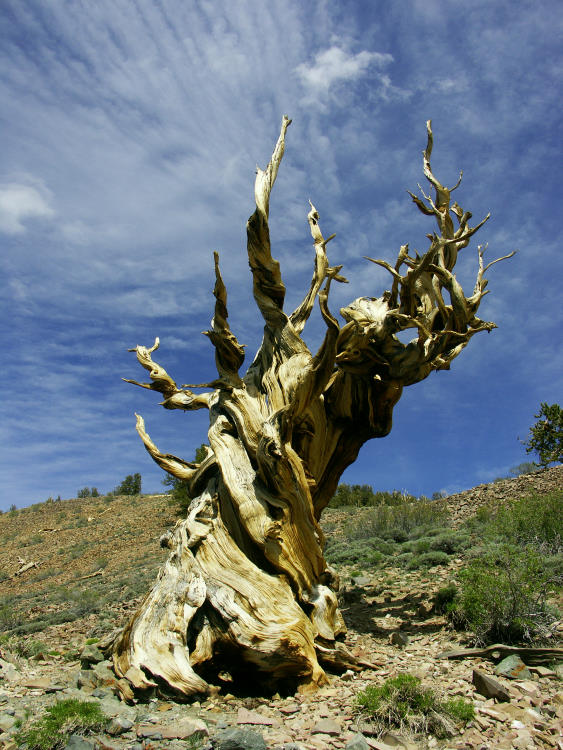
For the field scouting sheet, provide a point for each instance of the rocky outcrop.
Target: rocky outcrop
(465, 504)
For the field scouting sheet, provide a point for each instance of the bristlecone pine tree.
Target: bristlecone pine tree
(246, 594)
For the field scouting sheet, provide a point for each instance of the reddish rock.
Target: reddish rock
(245, 716)
(327, 726)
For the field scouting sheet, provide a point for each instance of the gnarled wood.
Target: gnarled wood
(246, 588)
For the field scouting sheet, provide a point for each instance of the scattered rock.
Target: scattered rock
(399, 639)
(357, 742)
(361, 581)
(488, 687)
(523, 741)
(89, 655)
(43, 683)
(186, 728)
(513, 668)
(239, 739)
(149, 731)
(6, 722)
(77, 742)
(327, 726)
(8, 671)
(293, 708)
(86, 680)
(118, 725)
(245, 716)
(104, 674)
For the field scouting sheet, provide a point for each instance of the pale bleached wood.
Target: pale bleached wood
(246, 588)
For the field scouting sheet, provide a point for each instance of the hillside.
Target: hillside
(90, 560)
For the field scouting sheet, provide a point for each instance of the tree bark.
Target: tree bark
(246, 593)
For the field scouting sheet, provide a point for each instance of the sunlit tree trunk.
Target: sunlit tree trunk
(246, 591)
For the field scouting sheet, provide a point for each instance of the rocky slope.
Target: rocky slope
(89, 562)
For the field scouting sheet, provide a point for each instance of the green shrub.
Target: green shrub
(64, 718)
(444, 598)
(399, 521)
(535, 520)
(428, 560)
(362, 495)
(131, 485)
(503, 597)
(450, 542)
(546, 436)
(402, 702)
(28, 649)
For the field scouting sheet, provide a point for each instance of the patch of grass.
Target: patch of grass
(33, 540)
(66, 717)
(403, 702)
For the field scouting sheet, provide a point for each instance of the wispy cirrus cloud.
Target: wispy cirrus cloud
(130, 135)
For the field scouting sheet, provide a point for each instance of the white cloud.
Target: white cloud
(19, 203)
(335, 66)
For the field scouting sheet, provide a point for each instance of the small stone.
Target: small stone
(523, 741)
(398, 639)
(186, 728)
(104, 675)
(361, 581)
(327, 726)
(76, 742)
(86, 680)
(102, 743)
(6, 722)
(245, 716)
(101, 693)
(347, 676)
(8, 671)
(90, 654)
(543, 671)
(239, 739)
(43, 683)
(149, 731)
(528, 687)
(118, 725)
(513, 668)
(357, 742)
(488, 687)
(293, 708)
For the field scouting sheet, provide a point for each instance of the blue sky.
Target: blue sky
(130, 133)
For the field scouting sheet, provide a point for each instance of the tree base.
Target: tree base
(216, 618)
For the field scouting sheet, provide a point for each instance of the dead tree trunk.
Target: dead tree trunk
(246, 589)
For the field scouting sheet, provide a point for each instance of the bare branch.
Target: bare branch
(172, 464)
(229, 354)
(299, 317)
(175, 398)
(269, 291)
